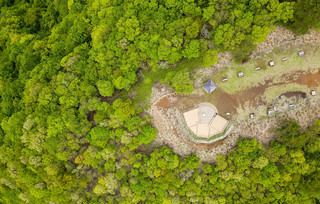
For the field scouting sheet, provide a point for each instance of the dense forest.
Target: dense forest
(70, 134)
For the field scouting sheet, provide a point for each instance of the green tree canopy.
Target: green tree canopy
(147, 134)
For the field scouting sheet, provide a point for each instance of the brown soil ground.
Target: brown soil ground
(164, 113)
(166, 105)
(296, 94)
(226, 102)
(311, 80)
(285, 38)
(90, 117)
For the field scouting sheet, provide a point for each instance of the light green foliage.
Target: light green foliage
(99, 35)
(208, 13)
(192, 162)
(297, 156)
(260, 163)
(99, 136)
(192, 50)
(91, 157)
(247, 146)
(221, 162)
(105, 88)
(192, 31)
(182, 83)
(133, 123)
(259, 34)
(129, 26)
(122, 109)
(210, 58)
(226, 37)
(107, 184)
(278, 149)
(147, 134)
(69, 133)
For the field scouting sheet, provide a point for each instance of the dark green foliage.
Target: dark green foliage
(292, 135)
(306, 15)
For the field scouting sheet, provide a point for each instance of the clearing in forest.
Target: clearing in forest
(286, 86)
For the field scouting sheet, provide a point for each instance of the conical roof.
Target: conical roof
(209, 86)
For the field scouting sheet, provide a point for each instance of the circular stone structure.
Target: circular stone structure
(204, 121)
(206, 112)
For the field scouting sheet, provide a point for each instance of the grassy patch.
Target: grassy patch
(272, 93)
(253, 78)
(143, 90)
(189, 64)
(275, 91)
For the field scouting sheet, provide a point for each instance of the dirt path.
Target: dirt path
(226, 102)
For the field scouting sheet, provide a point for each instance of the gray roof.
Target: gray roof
(209, 86)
